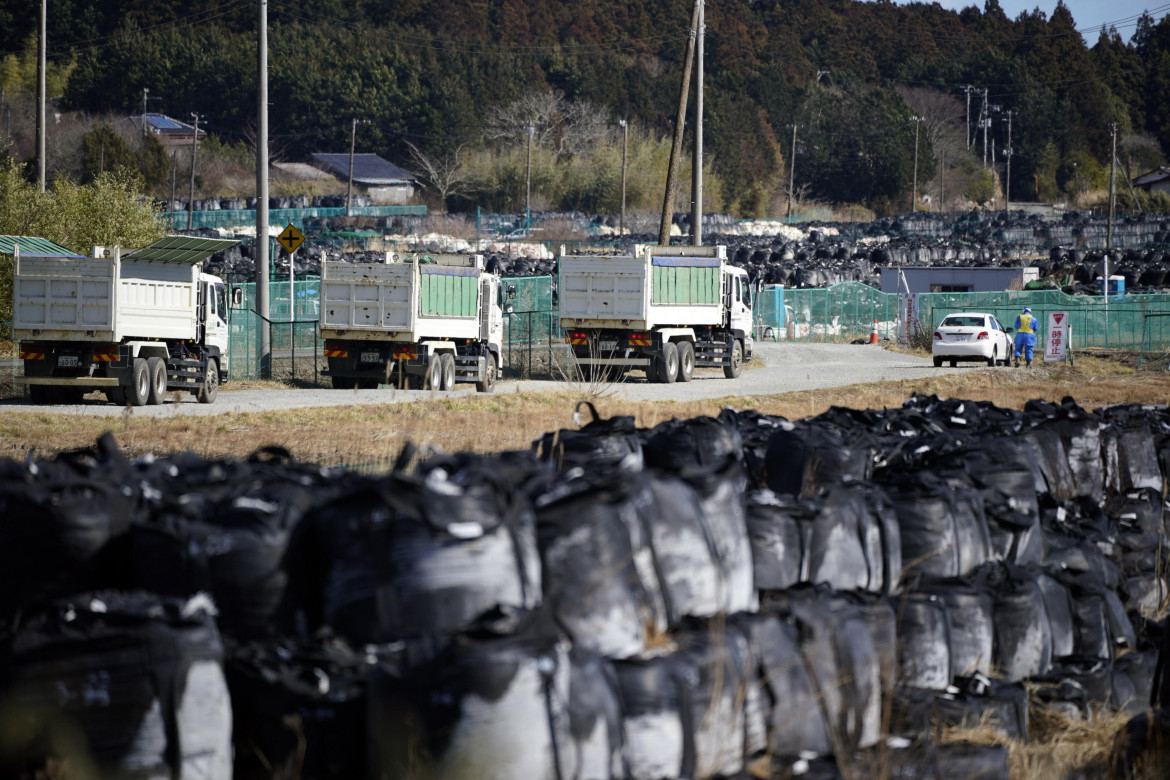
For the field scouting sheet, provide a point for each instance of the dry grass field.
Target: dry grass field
(371, 435)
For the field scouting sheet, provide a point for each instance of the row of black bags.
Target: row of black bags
(721, 591)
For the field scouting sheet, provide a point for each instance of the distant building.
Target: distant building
(944, 279)
(299, 172)
(171, 132)
(383, 181)
(1157, 180)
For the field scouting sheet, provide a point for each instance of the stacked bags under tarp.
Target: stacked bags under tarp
(733, 596)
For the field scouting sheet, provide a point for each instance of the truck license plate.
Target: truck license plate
(607, 345)
(68, 361)
(370, 357)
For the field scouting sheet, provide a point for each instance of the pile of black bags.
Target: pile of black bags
(716, 597)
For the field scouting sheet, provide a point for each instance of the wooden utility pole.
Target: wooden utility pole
(349, 186)
(42, 94)
(194, 152)
(792, 174)
(676, 147)
(697, 157)
(625, 149)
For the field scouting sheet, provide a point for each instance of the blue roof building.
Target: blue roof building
(383, 181)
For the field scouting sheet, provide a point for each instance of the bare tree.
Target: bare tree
(569, 127)
(446, 175)
(942, 120)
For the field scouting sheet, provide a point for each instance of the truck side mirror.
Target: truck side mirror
(237, 297)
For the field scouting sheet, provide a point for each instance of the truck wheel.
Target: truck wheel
(734, 366)
(488, 382)
(434, 375)
(210, 388)
(447, 372)
(157, 369)
(38, 394)
(667, 363)
(686, 361)
(116, 395)
(343, 383)
(139, 391)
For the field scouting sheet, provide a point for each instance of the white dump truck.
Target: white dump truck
(135, 324)
(414, 321)
(665, 310)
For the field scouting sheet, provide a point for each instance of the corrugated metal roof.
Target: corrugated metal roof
(182, 249)
(367, 168)
(31, 246)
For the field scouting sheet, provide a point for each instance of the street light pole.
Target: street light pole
(1007, 179)
(697, 158)
(914, 192)
(349, 187)
(145, 92)
(792, 174)
(42, 94)
(528, 182)
(625, 149)
(194, 152)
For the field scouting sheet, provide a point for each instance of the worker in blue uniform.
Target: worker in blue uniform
(1026, 327)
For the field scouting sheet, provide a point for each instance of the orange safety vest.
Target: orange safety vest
(1027, 323)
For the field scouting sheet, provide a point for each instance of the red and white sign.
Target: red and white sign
(1057, 341)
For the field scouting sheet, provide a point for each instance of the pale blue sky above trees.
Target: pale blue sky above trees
(1088, 14)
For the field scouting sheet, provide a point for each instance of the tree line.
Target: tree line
(884, 100)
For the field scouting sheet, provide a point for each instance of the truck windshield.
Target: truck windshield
(747, 293)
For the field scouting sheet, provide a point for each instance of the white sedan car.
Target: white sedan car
(971, 336)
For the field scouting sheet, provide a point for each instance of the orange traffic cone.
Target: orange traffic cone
(873, 336)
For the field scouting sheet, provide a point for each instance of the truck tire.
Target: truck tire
(446, 372)
(686, 361)
(343, 383)
(157, 369)
(434, 376)
(487, 382)
(210, 387)
(667, 363)
(139, 391)
(116, 395)
(734, 365)
(38, 394)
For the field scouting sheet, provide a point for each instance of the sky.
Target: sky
(1088, 14)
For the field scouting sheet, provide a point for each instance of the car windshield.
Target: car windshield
(965, 321)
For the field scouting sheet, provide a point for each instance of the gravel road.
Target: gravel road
(786, 367)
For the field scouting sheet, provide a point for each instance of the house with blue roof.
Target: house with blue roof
(170, 131)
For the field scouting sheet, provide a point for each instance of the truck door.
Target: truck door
(215, 327)
(491, 318)
(741, 307)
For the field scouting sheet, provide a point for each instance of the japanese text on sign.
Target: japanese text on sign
(1059, 333)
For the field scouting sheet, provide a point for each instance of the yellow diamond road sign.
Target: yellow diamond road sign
(291, 239)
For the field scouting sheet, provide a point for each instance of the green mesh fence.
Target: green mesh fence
(296, 346)
(229, 218)
(847, 311)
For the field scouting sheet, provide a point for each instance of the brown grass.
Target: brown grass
(511, 420)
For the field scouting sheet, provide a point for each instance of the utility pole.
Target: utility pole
(1007, 179)
(697, 158)
(792, 174)
(528, 182)
(349, 187)
(914, 193)
(625, 149)
(42, 92)
(194, 152)
(263, 241)
(1112, 178)
(679, 124)
(145, 92)
(984, 121)
(942, 175)
(968, 89)
(174, 169)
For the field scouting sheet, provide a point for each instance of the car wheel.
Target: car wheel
(157, 368)
(994, 359)
(938, 362)
(686, 361)
(139, 390)
(954, 364)
(668, 363)
(735, 366)
(210, 388)
(447, 372)
(488, 382)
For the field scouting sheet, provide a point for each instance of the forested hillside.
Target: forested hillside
(447, 76)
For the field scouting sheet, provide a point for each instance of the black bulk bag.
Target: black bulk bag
(117, 684)
(657, 718)
(1129, 449)
(595, 749)
(598, 567)
(942, 524)
(1012, 510)
(424, 555)
(924, 645)
(775, 530)
(970, 623)
(804, 455)
(1080, 431)
(61, 521)
(796, 721)
(612, 442)
(490, 706)
(298, 707)
(1023, 633)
